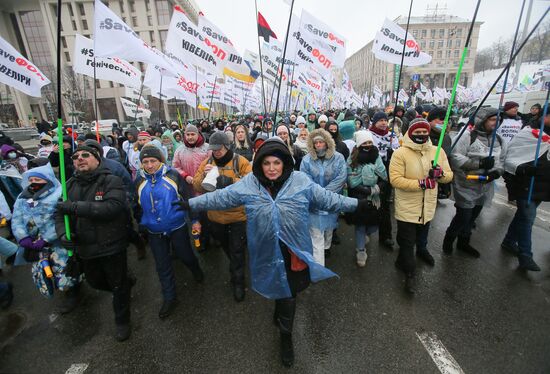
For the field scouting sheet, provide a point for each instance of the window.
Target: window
(422, 44)
(74, 25)
(441, 33)
(459, 33)
(84, 24)
(163, 11)
(415, 33)
(449, 43)
(147, 6)
(456, 53)
(448, 53)
(424, 32)
(440, 44)
(67, 57)
(70, 9)
(152, 36)
(149, 21)
(439, 53)
(121, 4)
(81, 9)
(32, 23)
(134, 21)
(64, 42)
(432, 43)
(432, 33)
(132, 5)
(163, 35)
(457, 43)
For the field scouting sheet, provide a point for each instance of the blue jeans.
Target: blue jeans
(3, 290)
(7, 249)
(160, 246)
(360, 232)
(519, 231)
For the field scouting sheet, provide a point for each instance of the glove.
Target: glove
(66, 207)
(66, 243)
(30, 255)
(364, 190)
(362, 204)
(39, 244)
(223, 181)
(427, 183)
(493, 175)
(436, 172)
(487, 163)
(181, 205)
(73, 266)
(26, 242)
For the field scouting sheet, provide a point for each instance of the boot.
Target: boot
(140, 248)
(167, 308)
(287, 309)
(238, 292)
(510, 248)
(425, 256)
(71, 300)
(463, 244)
(448, 244)
(198, 275)
(387, 243)
(410, 284)
(8, 298)
(527, 263)
(122, 332)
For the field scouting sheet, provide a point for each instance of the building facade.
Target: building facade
(441, 36)
(31, 27)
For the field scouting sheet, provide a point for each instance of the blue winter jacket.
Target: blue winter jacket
(270, 221)
(156, 195)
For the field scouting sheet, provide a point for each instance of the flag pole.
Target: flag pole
(212, 97)
(260, 54)
(401, 66)
(62, 175)
(537, 150)
(178, 112)
(96, 109)
(523, 43)
(494, 135)
(139, 99)
(160, 95)
(455, 85)
(283, 64)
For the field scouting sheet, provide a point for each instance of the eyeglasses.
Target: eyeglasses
(83, 155)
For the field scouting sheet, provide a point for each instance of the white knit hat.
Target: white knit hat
(300, 120)
(362, 136)
(323, 118)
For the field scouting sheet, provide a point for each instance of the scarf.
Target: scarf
(378, 131)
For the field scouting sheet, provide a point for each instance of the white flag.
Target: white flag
(388, 46)
(111, 69)
(114, 38)
(18, 72)
(189, 45)
(377, 92)
(315, 30)
(166, 87)
(130, 109)
(403, 95)
(133, 93)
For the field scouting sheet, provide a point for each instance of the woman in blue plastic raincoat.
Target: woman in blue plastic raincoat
(33, 226)
(277, 202)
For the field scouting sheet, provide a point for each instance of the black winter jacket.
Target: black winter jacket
(518, 185)
(99, 227)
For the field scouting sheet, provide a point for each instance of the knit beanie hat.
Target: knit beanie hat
(378, 116)
(300, 120)
(362, 136)
(191, 128)
(144, 134)
(151, 151)
(322, 118)
(437, 113)
(418, 123)
(509, 105)
(90, 149)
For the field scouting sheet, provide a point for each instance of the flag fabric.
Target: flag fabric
(130, 109)
(264, 30)
(18, 72)
(112, 69)
(388, 46)
(114, 38)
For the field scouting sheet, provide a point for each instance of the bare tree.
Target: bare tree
(484, 60)
(501, 52)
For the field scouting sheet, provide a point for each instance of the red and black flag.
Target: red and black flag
(263, 29)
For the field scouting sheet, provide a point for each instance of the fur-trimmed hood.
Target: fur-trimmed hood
(331, 146)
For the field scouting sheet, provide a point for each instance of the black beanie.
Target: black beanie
(151, 151)
(90, 149)
(437, 113)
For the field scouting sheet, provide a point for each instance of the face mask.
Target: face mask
(439, 127)
(35, 187)
(12, 155)
(419, 139)
(321, 152)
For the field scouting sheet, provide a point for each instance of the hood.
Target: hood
(132, 131)
(408, 143)
(410, 114)
(5, 149)
(481, 117)
(44, 172)
(168, 134)
(340, 117)
(331, 146)
(346, 129)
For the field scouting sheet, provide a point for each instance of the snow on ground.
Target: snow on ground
(487, 77)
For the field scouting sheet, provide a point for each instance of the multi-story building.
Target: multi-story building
(31, 27)
(441, 36)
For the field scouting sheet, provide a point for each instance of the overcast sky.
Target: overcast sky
(357, 20)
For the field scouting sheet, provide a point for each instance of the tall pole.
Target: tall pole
(95, 100)
(283, 63)
(138, 100)
(494, 135)
(402, 60)
(160, 95)
(212, 98)
(523, 33)
(455, 85)
(60, 127)
(260, 54)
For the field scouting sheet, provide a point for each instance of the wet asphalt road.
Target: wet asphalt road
(490, 317)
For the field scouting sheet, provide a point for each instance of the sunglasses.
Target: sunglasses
(45, 143)
(83, 155)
